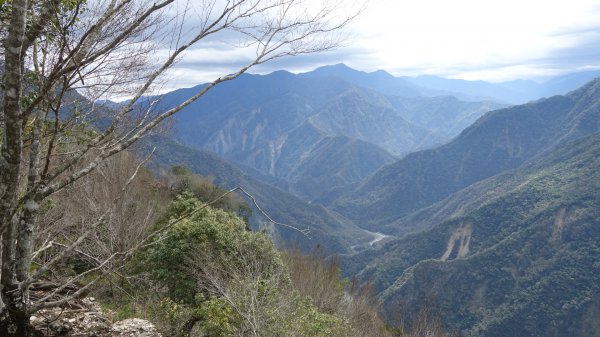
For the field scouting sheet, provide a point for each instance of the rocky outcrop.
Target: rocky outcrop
(84, 318)
(134, 327)
(79, 318)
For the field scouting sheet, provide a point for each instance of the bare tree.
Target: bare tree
(124, 194)
(319, 278)
(56, 49)
(249, 281)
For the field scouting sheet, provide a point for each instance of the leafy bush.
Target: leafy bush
(222, 280)
(188, 226)
(181, 180)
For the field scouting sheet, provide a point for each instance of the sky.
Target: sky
(469, 39)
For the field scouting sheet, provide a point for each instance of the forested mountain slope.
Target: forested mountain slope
(278, 124)
(499, 141)
(516, 254)
(327, 229)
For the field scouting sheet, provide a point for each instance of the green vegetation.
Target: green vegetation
(191, 265)
(499, 141)
(203, 272)
(182, 180)
(166, 258)
(216, 278)
(530, 266)
(333, 234)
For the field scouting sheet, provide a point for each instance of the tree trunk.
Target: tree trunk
(14, 319)
(14, 316)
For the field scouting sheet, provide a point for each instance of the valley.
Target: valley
(375, 238)
(457, 201)
(295, 168)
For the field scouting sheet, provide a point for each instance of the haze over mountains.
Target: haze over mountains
(511, 92)
(501, 140)
(278, 124)
(491, 209)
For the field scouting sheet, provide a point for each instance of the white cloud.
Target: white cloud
(471, 39)
(446, 37)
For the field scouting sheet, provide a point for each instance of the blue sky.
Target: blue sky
(469, 39)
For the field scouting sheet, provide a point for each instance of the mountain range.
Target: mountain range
(501, 226)
(511, 92)
(514, 254)
(499, 141)
(281, 124)
(489, 212)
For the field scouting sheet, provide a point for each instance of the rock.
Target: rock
(134, 327)
(84, 318)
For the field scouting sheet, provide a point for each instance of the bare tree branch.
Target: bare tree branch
(52, 137)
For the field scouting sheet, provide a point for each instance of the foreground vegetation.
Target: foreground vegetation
(195, 268)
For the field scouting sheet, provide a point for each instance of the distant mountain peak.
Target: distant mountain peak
(339, 65)
(335, 69)
(342, 69)
(280, 73)
(382, 74)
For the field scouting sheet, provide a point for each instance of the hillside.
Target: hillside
(327, 229)
(277, 125)
(335, 162)
(501, 140)
(446, 116)
(370, 117)
(517, 253)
